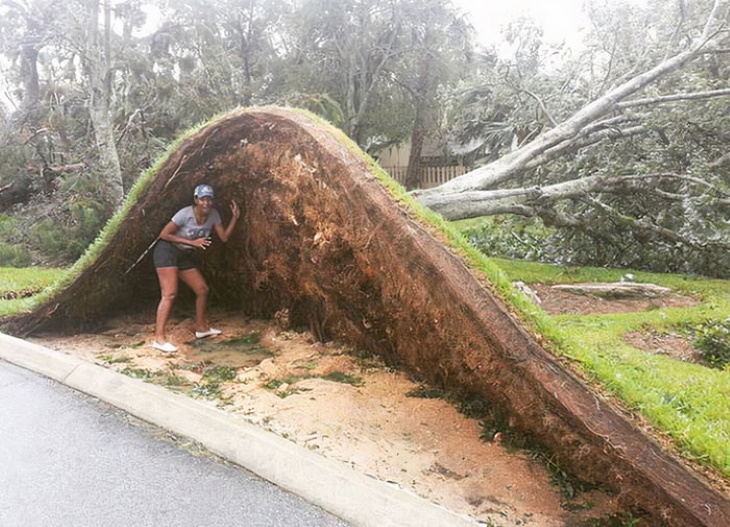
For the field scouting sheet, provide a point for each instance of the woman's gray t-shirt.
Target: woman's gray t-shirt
(188, 226)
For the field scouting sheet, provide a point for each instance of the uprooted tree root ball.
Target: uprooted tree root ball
(322, 238)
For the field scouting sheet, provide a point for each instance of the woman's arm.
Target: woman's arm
(225, 234)
(168, 234)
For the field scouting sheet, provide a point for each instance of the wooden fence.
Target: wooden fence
(430, 176)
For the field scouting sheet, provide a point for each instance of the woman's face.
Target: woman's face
(204, 204)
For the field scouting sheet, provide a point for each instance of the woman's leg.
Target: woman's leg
(168, 289)
(194, 278)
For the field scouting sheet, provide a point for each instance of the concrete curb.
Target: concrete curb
(333, 486)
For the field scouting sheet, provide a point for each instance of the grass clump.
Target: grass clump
(427, 392)
(206, 390)
(110, 359)
(213, 377)
(344, 378)
(620, 519)
(140, 373)
(366, 359)
(251, 338)
(570, 485)
(175, 381)
(247, 345)
(219, 374)
(274, 384)
(284, 387)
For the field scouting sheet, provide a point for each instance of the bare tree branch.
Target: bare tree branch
(544, 109)
(674, 98)
(608, 123)
(709, 31)
(577, 144)
(609, 69)
(675, 33)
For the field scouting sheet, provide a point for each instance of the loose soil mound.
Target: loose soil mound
(322, 239)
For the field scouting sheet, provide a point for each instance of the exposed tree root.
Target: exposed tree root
(322, 239)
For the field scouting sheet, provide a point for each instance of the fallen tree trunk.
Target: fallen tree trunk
(583, 127)
(616, 290)
(322, 238)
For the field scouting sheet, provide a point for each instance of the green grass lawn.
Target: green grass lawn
(19, 287)
(688, 401)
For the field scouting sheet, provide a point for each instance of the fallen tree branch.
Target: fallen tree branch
(698, 96)
(642, 226)
(588, 140)
(521, 201)
(65, 169)
(615, 290)
(540, 102)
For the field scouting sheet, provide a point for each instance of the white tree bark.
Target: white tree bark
(528, 201)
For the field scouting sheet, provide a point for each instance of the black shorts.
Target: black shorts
(168, 255)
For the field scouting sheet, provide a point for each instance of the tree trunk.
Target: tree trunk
(29, 72)
(413, 173)
(420, 94)
(99, 72)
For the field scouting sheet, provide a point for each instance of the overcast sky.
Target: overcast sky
(561, 19)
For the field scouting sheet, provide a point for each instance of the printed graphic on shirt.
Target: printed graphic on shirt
(188, 227)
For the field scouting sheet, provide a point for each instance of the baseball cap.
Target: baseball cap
(202, 191)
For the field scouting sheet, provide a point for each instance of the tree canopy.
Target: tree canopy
(619, 144)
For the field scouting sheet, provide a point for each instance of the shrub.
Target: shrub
(67, 240)
(14, 255)
(712, 339)
(510, 236)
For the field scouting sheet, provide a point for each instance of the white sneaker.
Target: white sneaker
(167, 347)
(211, 332)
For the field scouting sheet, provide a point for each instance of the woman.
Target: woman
(175, 256)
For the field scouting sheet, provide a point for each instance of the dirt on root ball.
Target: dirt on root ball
(346, 405)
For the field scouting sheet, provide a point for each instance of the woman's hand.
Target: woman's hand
(235, 211)
(225, 234)
(201, 243)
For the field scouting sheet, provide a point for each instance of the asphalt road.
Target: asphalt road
(67, 459)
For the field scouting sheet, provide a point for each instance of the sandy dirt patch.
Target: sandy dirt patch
(672, 345)
(346, 405)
